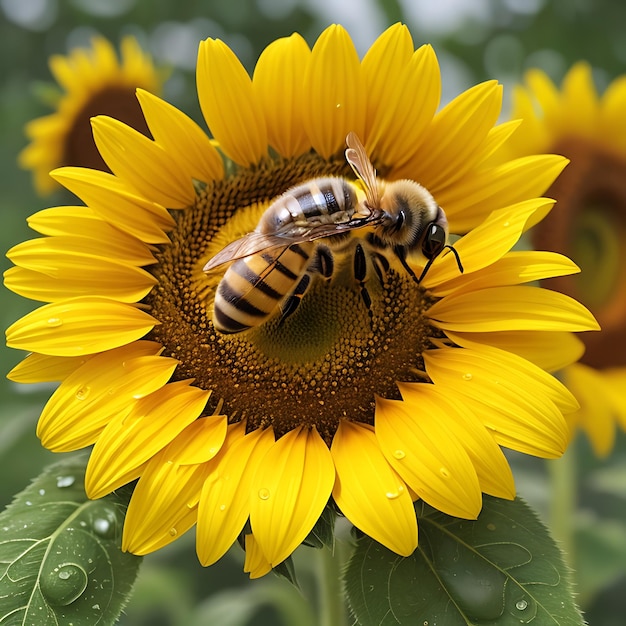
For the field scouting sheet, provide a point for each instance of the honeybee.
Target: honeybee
(272, 267)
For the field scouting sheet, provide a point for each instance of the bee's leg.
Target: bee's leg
(323, 264)
(289, 306)
(360, 274)
(400, 252)
(381, 266)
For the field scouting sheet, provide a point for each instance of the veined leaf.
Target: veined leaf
(60, 557)
(500, 570)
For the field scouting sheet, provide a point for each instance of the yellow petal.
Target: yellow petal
(596, 417)
(105, 387)
(522, 395)
(278, 83)
(333, 82)
(83, 222)
(369, 492)
(551, 351)
(512, 269)
(255, 564)
(229, 105)
(492, 468)
(74, 275)
(181, 138)
(225, 500)
(142, 163)
(468, 202)
(580, 106)
(418, 444)
(117, 204)
(390, 52)
(41, 368)
(130, 440)
(505, 370)
(455, 133)
(485, 244)
(79, 326)
(291, 487)
(164, 501)
(40, 254)
(407, 85)
(511, 308)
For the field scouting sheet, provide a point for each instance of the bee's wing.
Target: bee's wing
(363, 168)
(254, 242)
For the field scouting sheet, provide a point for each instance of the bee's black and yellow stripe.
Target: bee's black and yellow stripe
(253, 287)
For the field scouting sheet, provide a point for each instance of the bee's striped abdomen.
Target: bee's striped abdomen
(253, 287)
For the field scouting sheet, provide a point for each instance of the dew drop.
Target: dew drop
(392, 495)
(28, 503)
(173, 532)
(222, 507)
(467, 376)
(506, 224)
(264, 494)
(42, 492)
(445, 472)
(521, 605)
(64, 584)
(54, 322)
(102, 526)
(65, 481)
(491, 526)
(82, 393)
(399, 454)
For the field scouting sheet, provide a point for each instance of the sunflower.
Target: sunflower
(588, 225)
(94, 82)
(251, 435)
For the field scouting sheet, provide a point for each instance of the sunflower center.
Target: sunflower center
(326, 361)
(115, 101)
(588, 224)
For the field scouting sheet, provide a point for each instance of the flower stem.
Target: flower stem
(333, 611)
(563, 502)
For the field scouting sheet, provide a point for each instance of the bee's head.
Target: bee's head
(414, 220)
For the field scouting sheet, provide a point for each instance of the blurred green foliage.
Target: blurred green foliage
(474, 39)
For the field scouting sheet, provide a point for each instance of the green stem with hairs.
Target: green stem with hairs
(332, 601)
(563, 483)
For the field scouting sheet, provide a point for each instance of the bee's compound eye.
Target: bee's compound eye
(434, 240)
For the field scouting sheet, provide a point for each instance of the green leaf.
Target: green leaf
(323, 533)
(60, 554)
(500, 570)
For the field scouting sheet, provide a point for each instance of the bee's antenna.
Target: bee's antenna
(430, 262)
(458, 258)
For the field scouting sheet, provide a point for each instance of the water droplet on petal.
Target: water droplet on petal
(445, 472)
(65, 481)
(82, 393)
(392, 495)
(54, 322)
(506, 224)
(399, 454)
(173, 532)
(222, 507)
(467, 376)
(264, 494)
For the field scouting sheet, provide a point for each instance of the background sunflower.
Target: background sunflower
(474, 41)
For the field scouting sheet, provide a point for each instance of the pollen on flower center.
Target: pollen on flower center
(325, 362)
